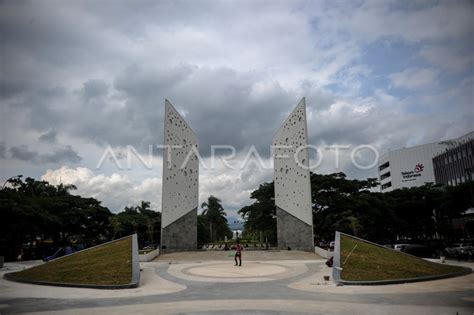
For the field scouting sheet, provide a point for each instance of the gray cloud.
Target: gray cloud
(23, 153)
(3, 150)
(10, 88)
(217, 103)
(61, 155)
(65, 154)
(49, 137)
(225, 101)
(97, 74)
(94, 88)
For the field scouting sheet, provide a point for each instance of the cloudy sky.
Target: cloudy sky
(79, 77)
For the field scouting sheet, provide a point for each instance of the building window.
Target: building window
(450, 159)
(383, 176)
(387, 185)
(463, 153)
(459, 155)
(462, 179)
(384, 166)
(445, 161)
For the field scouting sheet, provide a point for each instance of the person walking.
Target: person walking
(238, 254)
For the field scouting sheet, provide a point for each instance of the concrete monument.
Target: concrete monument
(292, 183)
(180, 187)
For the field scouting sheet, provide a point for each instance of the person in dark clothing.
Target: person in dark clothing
(238, 254)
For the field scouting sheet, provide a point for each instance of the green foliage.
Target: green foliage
(138, 219)
(409, 213)
(346, 205)
(351, 206)
(214, 217)
(34, 211)
(261, 215)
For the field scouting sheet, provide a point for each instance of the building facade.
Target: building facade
(456, 165)
(412, 167)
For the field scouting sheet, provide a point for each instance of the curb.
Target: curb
(8, 277)
(463, 272)
(133, 284)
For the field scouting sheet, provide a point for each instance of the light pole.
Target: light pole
(8, 180)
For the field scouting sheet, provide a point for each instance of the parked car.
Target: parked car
(151, 247)
(466, 249)
(78, 247)
(324, 244)
(59, 253)
(416, 250)
(419, 250)
(331, 245)
(400, 247)
(458, 249)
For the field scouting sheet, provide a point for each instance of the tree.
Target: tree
(341, 204)
(116, 226)
(351, 206)
(202, 230)
(261, 215)
(216, 219)
(140, 219)
(33, 211)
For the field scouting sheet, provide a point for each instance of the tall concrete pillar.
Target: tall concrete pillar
(292, 183)
(180, 184)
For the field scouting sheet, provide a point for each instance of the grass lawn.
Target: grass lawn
(370, 262)
(109, 264)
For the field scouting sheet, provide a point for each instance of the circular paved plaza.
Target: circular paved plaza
(268, 282)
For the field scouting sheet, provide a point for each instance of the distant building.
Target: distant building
(412, 167)
(456, 165)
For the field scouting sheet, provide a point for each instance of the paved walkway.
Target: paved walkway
(267, 283)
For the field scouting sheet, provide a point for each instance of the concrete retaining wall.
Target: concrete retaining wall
(149, 256)
(322, 252)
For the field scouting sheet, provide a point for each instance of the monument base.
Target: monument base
(293, 233)
(181, 235)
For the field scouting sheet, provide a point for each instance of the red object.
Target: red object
(239, 249)
(329, 262)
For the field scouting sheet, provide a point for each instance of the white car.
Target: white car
(458, 248)
(466, 249)
(400, 247)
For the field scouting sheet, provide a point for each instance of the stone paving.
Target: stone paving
(269, 282)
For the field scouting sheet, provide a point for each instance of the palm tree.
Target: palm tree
(64, 189)
(115, 224)
(214, 213)
(144, 206)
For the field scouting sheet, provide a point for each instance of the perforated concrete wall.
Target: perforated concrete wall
(291, 176)
(180, 169)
